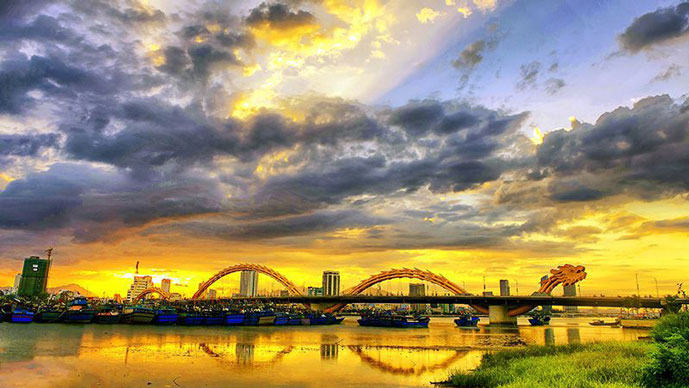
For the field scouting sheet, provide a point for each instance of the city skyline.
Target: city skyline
(472, 138)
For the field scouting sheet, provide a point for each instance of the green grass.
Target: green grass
(609, 365)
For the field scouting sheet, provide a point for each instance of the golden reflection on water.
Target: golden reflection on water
(57, 355)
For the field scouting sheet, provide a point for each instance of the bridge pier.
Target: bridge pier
(498, 315)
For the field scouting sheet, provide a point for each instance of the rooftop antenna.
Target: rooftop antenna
(49, 251)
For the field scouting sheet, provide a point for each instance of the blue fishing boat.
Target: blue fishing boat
(214, 318)
(539, 321)
(397, 321)
(325, 319)
(281, 319)
(78, 311)
(539, 318)
(165, 316)
(294, 321)
(190, 319)
(21, 316)
(259, 318)
(467, 321)
(234, 319)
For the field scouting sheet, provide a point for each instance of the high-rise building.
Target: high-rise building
(418, 289)
(331, 283)
(504, 287)
(34, 279)
(570, 290)
(139, 285)
(248, 284)
(212, 294)
(17, 280)
(549, 308)
(165, 285)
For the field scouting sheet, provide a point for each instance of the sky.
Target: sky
(472, 138)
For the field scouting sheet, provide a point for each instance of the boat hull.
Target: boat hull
(165, 318)
(23, 317)
(467, 321)
(107, 318)
(213, 321)
(47, 316)
(539, 322)
(70, 316)
(396, 323)
(138, 317)
(234, 319)
(190, 320)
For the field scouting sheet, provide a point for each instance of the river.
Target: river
(62, 355)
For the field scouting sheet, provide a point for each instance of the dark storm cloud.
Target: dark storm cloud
(42, 28)
(96, 202)
(316, 222)
(13, 10)
(422, 118)
(471, 56)
(131, 14)
(19, 75)
(656, 27)
(641, 151)
(278, 16)
(26, 145)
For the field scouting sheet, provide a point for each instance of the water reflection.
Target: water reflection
(91, 355)
(394, 368)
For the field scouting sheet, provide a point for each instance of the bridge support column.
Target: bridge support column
(497, 315)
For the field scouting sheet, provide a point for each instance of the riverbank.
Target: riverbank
(657, 363)
(615, 364)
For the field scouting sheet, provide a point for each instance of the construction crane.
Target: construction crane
(137, 267)
(49, 251)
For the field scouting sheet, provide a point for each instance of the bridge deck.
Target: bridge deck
(535, 300)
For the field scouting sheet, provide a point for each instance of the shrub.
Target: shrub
(669, 366)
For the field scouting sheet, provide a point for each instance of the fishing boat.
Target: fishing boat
(165, 316)
(539, 318)
(137, 315)
(281, 319)
(326, 319)
(259, 318)
(190, 318)
(234, 319)
(600, 322)
(20, 315)
(397, 321)
(107, 316)
(467, 321)
(47, 315)
(213, 318)
(78, 311)
(295, 320)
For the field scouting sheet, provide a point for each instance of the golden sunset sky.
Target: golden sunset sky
(469, 137)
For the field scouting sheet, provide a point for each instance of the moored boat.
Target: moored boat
(165, 316)
(190, 319)
(78, 311)
(397, 321)
(47, 315)
(537, 321)
(600, 322)
(325, 319)
(213, 318)
(234, 319)
(467, 321)
(20, 315)
(137, 315)
(281, 319)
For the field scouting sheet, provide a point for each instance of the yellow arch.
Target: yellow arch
(247, 267)
(153, 290)
(415, 273)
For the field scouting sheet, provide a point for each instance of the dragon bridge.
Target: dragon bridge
(262, 269)
(153, 290)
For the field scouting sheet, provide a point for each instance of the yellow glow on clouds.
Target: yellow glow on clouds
(427, 15)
